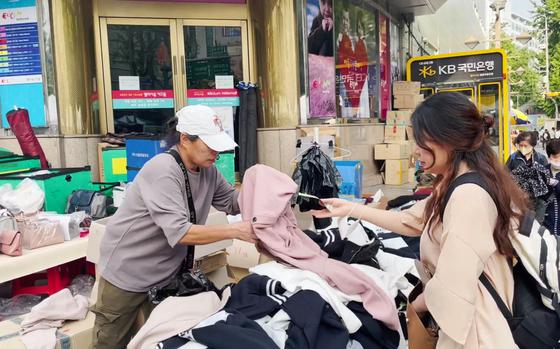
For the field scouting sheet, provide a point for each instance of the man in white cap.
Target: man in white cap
(146, 241)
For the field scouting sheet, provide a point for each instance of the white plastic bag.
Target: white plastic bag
(68, 224)
(27, 197)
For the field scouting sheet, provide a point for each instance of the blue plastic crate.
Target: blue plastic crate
(352, 173)
(140, 149)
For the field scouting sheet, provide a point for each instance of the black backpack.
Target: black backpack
(533, 325)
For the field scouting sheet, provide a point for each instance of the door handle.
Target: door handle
(174, 65)
(183, 66)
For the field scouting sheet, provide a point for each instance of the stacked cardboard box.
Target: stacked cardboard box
(396, 152)
(397, 149)
(406, 94)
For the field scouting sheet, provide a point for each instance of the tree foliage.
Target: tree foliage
(550, 10)
(524, 76)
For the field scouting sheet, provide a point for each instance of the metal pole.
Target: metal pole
(547, 82)
(555, 109)
(497, 29)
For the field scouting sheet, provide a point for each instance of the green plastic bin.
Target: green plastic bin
(114, 164)
(5, 153)
(58, 184)
(17, 163)
(226, 166)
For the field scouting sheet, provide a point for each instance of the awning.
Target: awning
(519, 118)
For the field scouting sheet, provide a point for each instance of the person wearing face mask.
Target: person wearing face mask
(464, 238)
(552, 215)
(527, 158)
(526, 142)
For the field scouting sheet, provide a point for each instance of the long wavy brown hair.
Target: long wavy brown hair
(452, 121)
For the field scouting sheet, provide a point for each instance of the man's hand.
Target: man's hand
(244, 231)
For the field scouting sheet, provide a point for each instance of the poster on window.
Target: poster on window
(385, 67)
(320, 38)
(394, 44)
(355, 55)
(21, 79)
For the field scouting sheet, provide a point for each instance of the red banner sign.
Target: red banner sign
(229, 92)
(142, 94)
(206, 1)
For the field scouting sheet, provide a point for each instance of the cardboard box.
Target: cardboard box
(396, 172)
(73, 334)
(237, 273)
(406, 87)
(220, 277)
(399, 117)
(407, 101)
(392, 151)
(242, 254)
(395, 134)
(210, 263)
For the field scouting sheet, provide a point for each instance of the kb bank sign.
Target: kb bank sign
(479, 67)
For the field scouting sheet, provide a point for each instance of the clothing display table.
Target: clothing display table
(33, 261)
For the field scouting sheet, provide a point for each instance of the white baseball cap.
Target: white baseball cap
(202, 121)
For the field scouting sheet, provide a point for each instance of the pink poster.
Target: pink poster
(385, 66)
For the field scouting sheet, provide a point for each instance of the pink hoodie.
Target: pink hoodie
(265, 201)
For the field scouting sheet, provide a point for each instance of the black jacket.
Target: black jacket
(552, 215)
(517, 159)
(320, 42)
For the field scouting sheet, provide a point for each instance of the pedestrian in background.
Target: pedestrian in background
(545, 138)
(552, 216)
(530, 170)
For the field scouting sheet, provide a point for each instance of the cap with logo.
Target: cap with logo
(202, 121)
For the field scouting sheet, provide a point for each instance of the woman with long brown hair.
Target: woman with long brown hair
(465, 238)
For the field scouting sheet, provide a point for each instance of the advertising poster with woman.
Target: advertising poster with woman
(320, 29)
(395, 56)
(355, 50)
(385, 66)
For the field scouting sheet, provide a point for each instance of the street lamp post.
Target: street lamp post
(551, 95)
(546, 81)
(498, 6)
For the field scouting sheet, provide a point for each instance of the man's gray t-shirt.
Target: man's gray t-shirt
(140, 248)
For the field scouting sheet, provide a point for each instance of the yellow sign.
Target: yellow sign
(427, 71)
(119, 166)
(553, 94)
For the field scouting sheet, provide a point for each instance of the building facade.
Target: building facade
(128, 66)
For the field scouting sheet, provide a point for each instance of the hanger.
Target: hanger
(313, 144)
(347, 153)
(316, 143)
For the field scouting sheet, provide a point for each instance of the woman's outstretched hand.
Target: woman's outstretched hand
(334, 208)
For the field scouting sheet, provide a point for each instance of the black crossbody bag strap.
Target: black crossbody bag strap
(189, 260)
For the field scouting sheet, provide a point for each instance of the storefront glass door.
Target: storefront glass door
(212, 65)
(139, 79)
(152, 68)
